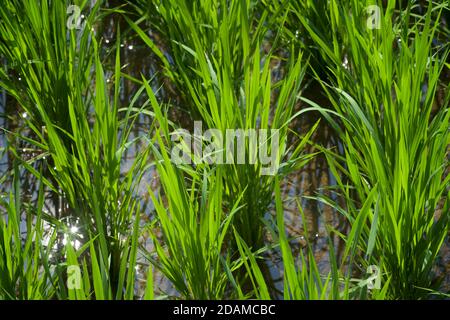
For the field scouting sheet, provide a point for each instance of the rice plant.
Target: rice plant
(23, 259)
(220, 66)
(85, 156)
(193, 224)
(395, 143)
(75, 223)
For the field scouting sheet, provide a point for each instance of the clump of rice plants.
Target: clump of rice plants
(221, 67)
(81, 136)
(395, 140)
(192, 220)
(204, 205)
(22, 257)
